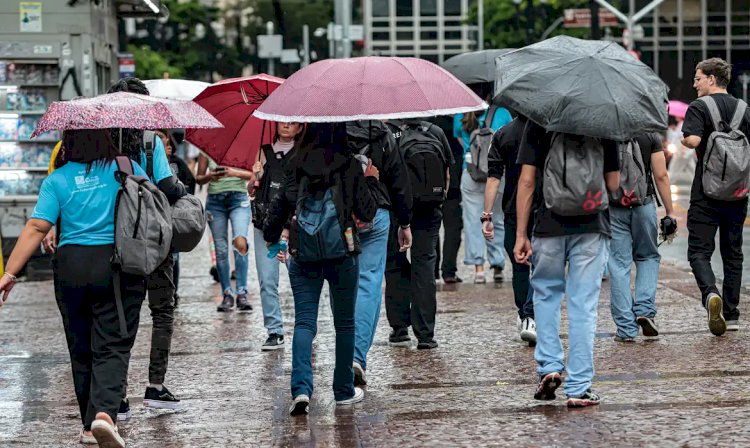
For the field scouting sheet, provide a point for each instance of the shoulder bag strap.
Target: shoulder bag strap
(739, 115)
(713, 110)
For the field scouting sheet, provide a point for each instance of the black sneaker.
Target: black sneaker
(427, 345)
(587, 399)
(226, 304)
(274, 342)
(176, 300)
(497, 274)
(242, 303)
(547, 385)
(214, 273)
(648, 326)
(399, 338)
(452, 279)
(123, 414)
(300, 405)
(161, 399)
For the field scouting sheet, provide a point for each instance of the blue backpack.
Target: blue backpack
(319, 233)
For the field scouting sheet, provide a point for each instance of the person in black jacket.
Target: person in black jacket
(371, 141)
(501, 160)
(323, 163)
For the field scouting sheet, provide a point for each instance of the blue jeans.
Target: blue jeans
(307, 282)
(268, 276)
(223, 208)
(472, 203)
(374, 246)
(586, 255)
(634, 232)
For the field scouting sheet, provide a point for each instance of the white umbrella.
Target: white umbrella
(175, 89)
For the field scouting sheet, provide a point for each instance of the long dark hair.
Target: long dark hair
(89, 146)
(132, 139)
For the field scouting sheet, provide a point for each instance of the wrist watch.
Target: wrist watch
(485, 218)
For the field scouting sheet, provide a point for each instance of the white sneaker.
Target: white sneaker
(87, 440)
(733, 325)
(519, 323)
(528, 330)
(479, 278)
(359, 375)
(359, 395)
(106, 434)
(300, 405)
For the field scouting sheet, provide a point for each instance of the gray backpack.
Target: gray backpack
(188, 223)
(633, 176)
(726, 163)
(574, 176)
(479, 148)
(143, 223)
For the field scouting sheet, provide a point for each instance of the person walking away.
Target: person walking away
(372, 141)
(149, 152)
(228, 202)
(185, 176)
(632, 216)
(472, 129)
(410, 290)
(269, 173)
(325, 189)
(501, 160)
(716, 126)
(81, 196)
(571, 228)
(453, 224)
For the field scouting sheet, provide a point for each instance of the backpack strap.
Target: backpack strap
(739, 115)
(150, 161)
(124, 165)
(489, 117)
(713, 110)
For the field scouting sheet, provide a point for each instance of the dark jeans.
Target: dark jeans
(453, 223)
(176, 271)
(522, 291)
(410, 291)
(99, 352)
(704, 218)
(161, 291)
(306, 280)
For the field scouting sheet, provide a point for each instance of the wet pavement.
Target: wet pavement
(685, 388)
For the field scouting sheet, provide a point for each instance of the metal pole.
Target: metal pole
(346, 24)
(529, 22)
(680, 41)
(596, 32)
(630, 24)
(480, 24)
(271, 61)
(306, 45)
(331, 43)
(745, 80)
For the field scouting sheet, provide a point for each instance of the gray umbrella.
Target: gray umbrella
(592, 88)
(474, 67)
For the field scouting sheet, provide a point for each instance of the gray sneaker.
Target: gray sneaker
(300, 405)
(274, 342)
(227, 303)
(358, 396)
(716, 323)
(624, 339)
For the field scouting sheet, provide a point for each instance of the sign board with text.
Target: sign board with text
(270, 46)
(30, 17)
(581, 18)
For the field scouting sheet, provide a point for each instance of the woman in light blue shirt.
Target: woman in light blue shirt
(472, 198)
(80, 197)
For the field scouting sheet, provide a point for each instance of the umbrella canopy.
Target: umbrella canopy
(475, 66)
(368, 88)
(591, 88)
(678, 109)
(175, 89)
(123, 110)
(232, 102)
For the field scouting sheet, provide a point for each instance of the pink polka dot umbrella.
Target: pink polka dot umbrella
(124, 110)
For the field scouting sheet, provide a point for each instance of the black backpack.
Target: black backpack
(270, 185)
(425, 162)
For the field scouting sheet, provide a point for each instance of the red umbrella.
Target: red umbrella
(368, 88)
(123, 110)
(233, 102)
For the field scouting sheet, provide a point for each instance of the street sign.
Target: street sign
(581, 18)
(126, 62)
(356, 32)
(270, 46)
(336, 32)
(290, 56)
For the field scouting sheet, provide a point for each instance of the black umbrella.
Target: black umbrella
(592, 88)
(474, 67)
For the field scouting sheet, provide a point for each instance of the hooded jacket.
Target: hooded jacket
(373, 139)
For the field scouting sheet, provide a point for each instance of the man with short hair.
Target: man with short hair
(705, 214)
(576, 244)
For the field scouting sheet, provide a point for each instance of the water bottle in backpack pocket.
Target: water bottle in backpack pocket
(319, 236)
(726, 163)
(425, 164)
(574, 182)
(633, 187)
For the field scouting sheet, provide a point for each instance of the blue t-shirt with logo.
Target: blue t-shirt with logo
(500, 119)
(161, 164)
(85, 202)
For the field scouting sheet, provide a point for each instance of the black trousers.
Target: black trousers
(522, 291)
(99, 352)
(704, 218)
(410, 290)
(453, 224)
(161, 291)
